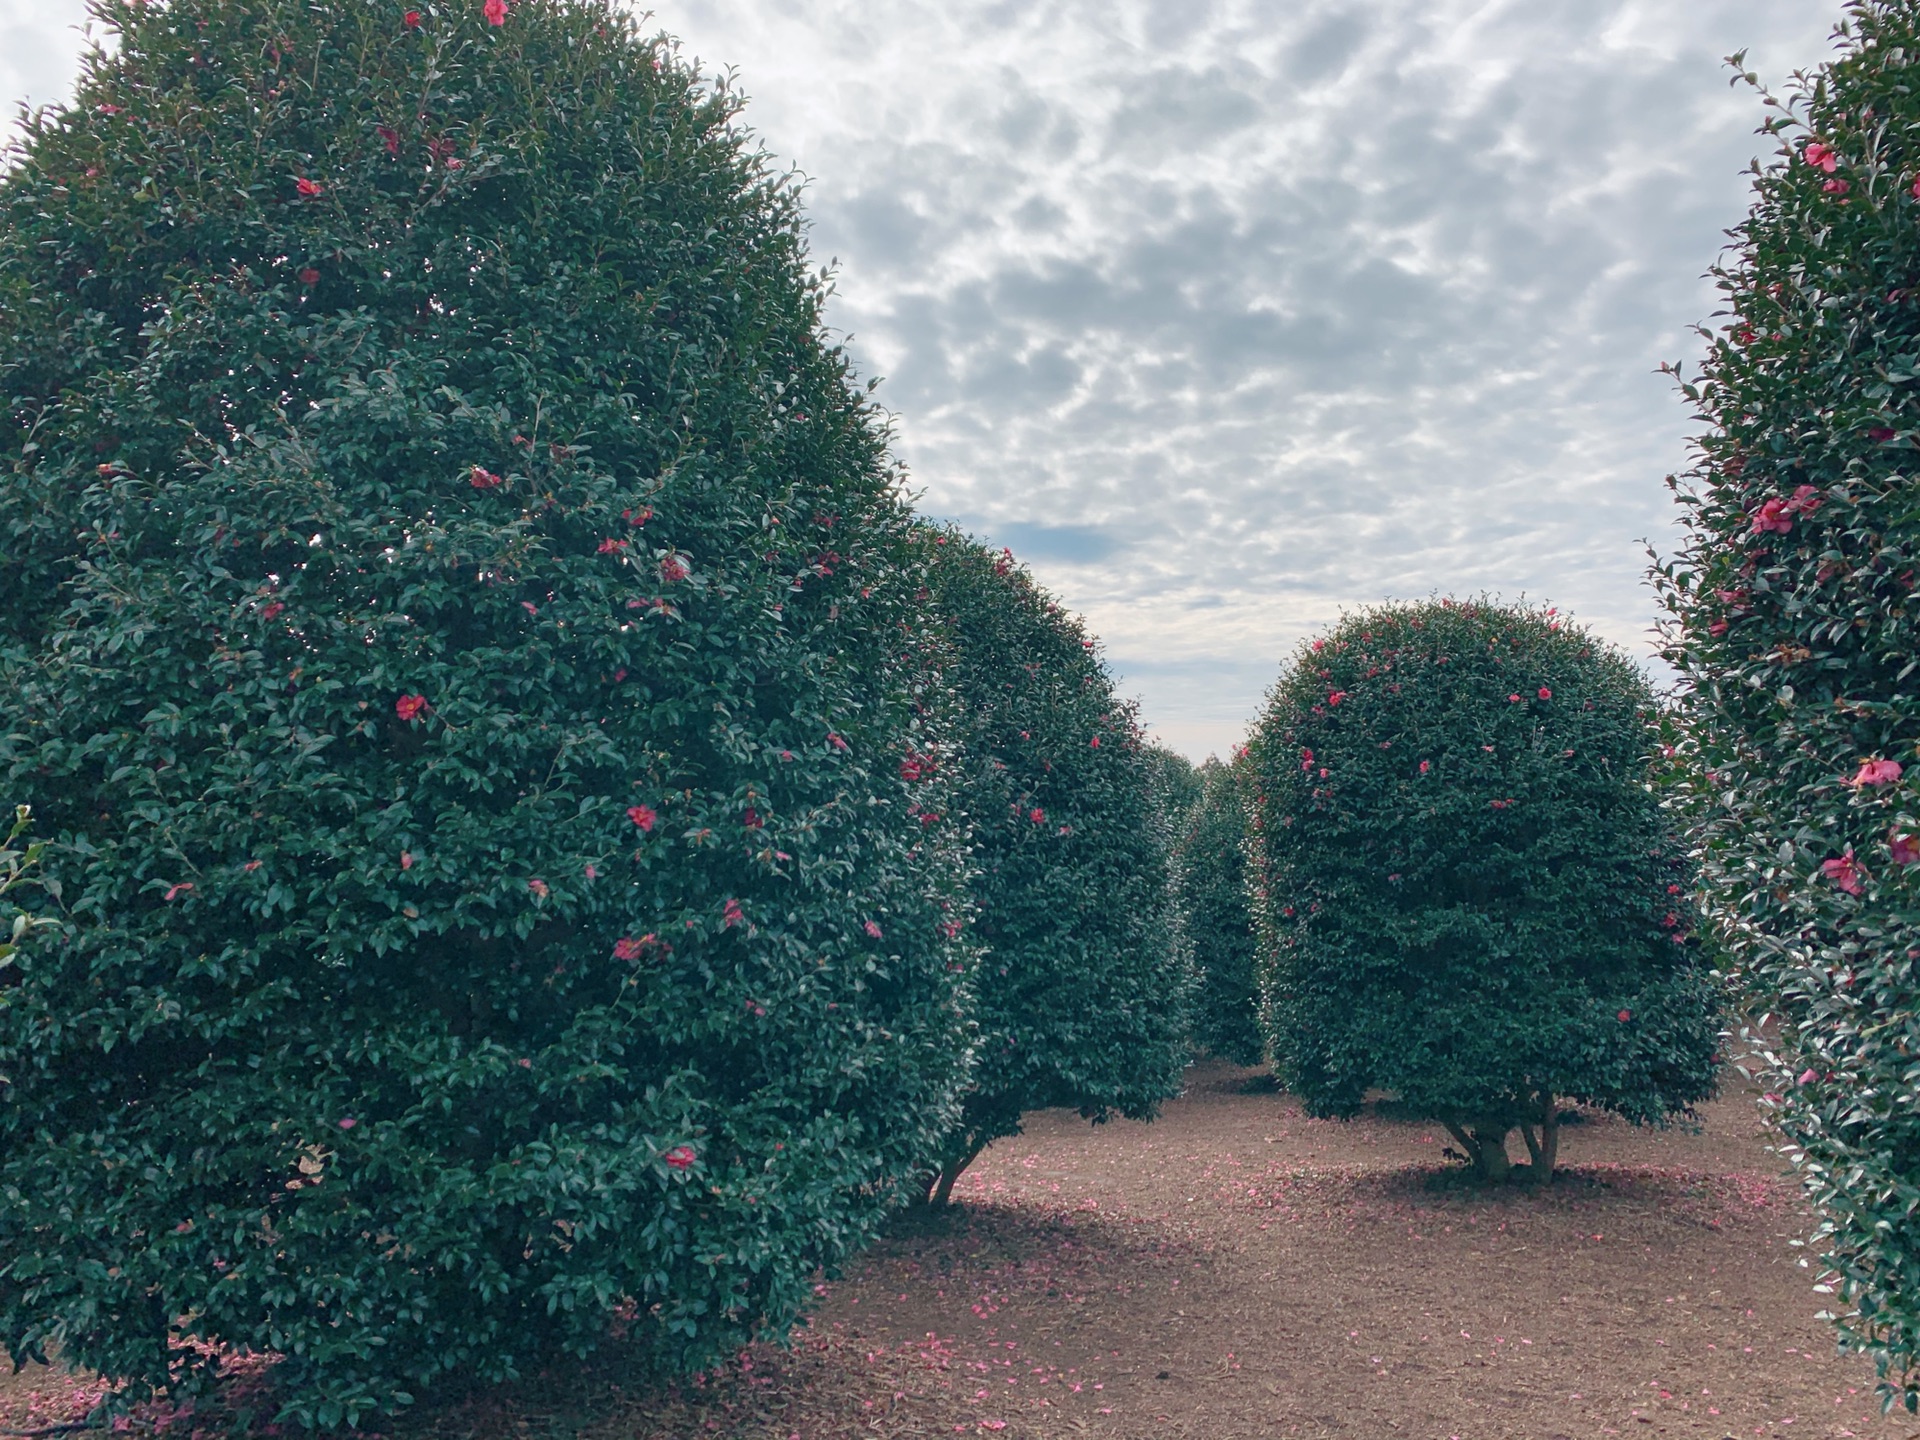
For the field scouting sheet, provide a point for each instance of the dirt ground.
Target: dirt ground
(1237, 1270)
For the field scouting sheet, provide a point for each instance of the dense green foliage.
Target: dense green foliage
(17, 923)
(1081, 996)
(1466, 889)
(452, 617)
(1210, 860)
(1795, 627)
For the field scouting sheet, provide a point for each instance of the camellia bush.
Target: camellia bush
(451, 627)
(1210, 860)
(1081, 997)
(1467, 891)
(1793, 621)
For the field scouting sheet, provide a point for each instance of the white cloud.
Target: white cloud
(1227, 313)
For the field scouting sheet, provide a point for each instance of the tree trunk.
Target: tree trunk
(1486, 1147)
(1549, 1138)
(950, 1169)
(943, 1187)
(1494, 1165)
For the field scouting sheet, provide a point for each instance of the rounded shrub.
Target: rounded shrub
(1795, 626)
(1466, 889)
(1210, 861)
(1081, 994)
(451, 635)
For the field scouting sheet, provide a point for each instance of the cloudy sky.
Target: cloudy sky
(1225, 314)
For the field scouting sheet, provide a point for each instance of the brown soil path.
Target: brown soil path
(1236, 1270)
(1255, 1273)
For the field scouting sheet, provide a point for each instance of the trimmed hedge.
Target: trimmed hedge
(1467, 891)
(1210, 860)
(1081, 997)
(457, 626)
(1794, 625)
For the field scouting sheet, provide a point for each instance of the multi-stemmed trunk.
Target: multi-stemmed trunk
(1485, 1141)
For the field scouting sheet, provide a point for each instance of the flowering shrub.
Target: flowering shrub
(1794, 624)
(1465, 888)
(1081, 995)
(1210, 860)
(450, 636)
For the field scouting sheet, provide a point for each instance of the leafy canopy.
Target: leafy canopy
(1794, 625)
(1467, 891)
(1081, 995)
(451, 622)
(1210, 860)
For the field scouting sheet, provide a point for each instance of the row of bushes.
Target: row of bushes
(1485, 868)
(1440, 868)
(538, 830)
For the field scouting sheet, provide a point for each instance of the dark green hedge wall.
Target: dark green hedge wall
(458, 636)
(1081, 997)
(1794, 626)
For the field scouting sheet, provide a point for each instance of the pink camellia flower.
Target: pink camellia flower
(1096, 742)
(673, 569)
(107, 109)
(1844, 871)
(1821, 156)
(643, 816)
(308, 188)
(495, 11)
(539, 888)
(410, 707)
(1916, 188)
(272, 610)
(836, 741)
(872, 928)
(1625, 1016)
(1513, 699)
(411, 19)
(751, 819)
(1807, 1077)
(309, 277)
(177, 890)
(1881, 434)
(628, 948)
(1806, 498)
(348, 1123)
(1876, 772)
(406, 859)
(483, 479)
(1905, 848)
(1544, 693)
(1425, 766)
(1774, 516)
(389, 137)
(731, 914)
(1336, 697)
(1718, 627)
(680, 1157)
(1837, 187)
(610, 546)
(1037, 816)
(593, 872)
